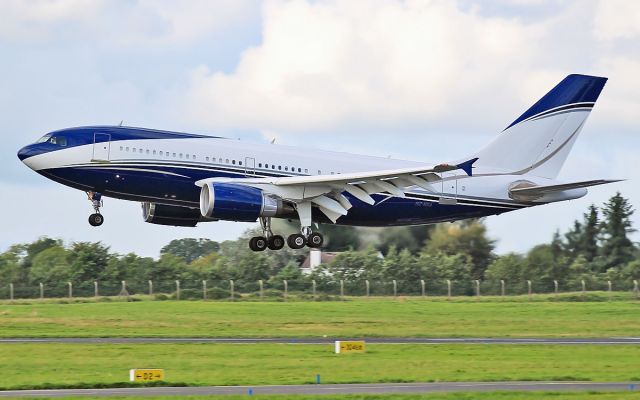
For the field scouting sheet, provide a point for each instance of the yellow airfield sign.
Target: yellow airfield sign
(352, 346)
(146, 375)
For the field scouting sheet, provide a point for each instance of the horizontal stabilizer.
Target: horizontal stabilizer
(538, 191)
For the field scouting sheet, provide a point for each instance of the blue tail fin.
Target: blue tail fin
(539, 141)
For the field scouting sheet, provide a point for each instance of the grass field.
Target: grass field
(226, 364)
(376, 317)
(436, 396)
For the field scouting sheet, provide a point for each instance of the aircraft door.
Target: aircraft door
(249, 166)
(101, 146)
(449, 188)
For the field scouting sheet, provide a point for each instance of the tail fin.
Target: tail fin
(539, 141)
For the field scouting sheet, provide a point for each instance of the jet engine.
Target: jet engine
(235, 202)
(162, 214)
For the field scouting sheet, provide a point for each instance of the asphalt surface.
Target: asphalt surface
(370, 388)
(432, 341)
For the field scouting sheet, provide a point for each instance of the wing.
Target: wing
(326, 191)
(534, 192)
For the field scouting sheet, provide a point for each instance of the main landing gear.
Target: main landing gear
(95, 219)
(276, 242)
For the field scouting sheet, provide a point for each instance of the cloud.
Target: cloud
(324, 65)
(118, 23)
(617, 19)
(355, 66)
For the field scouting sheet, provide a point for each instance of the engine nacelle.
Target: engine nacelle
(235, 202)
(162, 214)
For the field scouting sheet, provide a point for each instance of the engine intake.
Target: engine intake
(162, 214)
(235, 202)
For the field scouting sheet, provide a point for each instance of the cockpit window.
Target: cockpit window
(43, 139)
(60, 140)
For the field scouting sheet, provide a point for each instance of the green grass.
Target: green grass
(27, 365)
(434, 396)
(380, 317)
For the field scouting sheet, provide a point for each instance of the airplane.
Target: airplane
(183, 179)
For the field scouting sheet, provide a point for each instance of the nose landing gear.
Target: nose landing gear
(95, 219)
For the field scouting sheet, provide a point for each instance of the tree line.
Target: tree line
(597, 248)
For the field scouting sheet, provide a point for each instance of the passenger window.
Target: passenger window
(193, 156)
(127, 149)
(239, 162)
(207, 159)
(259, 165)
(147, 151)
(273, 166)
(140, 151)
(154, 152)
(299, 169)
(286, 168)
(233, 162)
(121, 148)
(161, 153)
(306, 170)
(280, 167)
(319, 172)
(180, 155)
(134, 149)
(227, 161)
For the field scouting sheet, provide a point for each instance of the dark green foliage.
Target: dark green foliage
(590, 234)
(190, 249)
(595, 250)
(617, 248)
(411, 238)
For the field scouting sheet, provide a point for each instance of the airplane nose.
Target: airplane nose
(23, 153)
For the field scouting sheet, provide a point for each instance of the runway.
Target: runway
(367, 388)
(303, 341)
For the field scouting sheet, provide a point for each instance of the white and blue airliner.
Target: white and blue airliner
(183, 179)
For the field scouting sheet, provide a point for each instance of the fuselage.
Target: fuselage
(162, 167)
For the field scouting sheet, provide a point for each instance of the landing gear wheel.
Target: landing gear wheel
(96, 219)
(296, 241)
(258, 243)
(275, 242)
(315, 240)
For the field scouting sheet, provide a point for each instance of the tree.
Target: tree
(129, 267)
(511, 267)
(11, 270)
(573, 240)
(50, 267)
(167, 268)
(590, 234)
(412, 238)
(617, 248)
(352, 266)
(87, 261)
(41, 244)
(403, 267)
(190, 249)
(466, 238)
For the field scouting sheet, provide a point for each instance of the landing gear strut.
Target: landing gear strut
(268, 240)
(95, 219)
(276, 242)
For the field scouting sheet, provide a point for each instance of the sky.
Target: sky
(421, 80)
